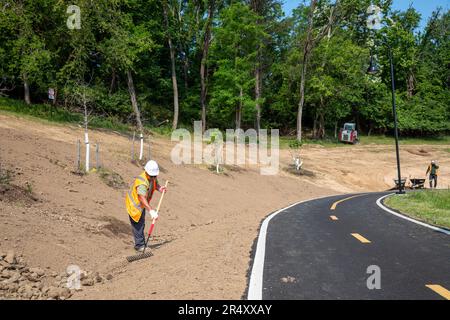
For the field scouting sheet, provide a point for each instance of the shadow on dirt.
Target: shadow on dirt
(13, 193)
(115, 227)
(301, 173)
(419, 152)
(159, 244)
(10, 192)
(111, 178)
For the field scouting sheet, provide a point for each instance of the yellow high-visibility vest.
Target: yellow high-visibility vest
(132, 203)
(430, 167)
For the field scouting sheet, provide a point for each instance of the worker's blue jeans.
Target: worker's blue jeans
(432, 178)
(138, 231)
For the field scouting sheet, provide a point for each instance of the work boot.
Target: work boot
(139, 249)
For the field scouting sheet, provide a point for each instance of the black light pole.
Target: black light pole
(373, 70)
(394, 111)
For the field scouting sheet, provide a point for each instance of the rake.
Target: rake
(144, 254)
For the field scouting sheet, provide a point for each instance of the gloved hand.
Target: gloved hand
(153, 214)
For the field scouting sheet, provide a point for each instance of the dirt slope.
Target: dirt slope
(373, 167)
(208, 222)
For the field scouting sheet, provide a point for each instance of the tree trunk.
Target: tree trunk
(183, 47)
(203, 71)
(335, 129)
(136, 110)
(174, 74)
(258, 95)
(175, 87)
(239, 109)
(302, 99)
(410, 85)
(359, 127)
(306, 53)
(321, 126)
(113, 81)
(26, 89)
(134, 100)
(185, 72)
(314, 133)
(203, 93)
(321, 113)
(257, 7)
(55, 96)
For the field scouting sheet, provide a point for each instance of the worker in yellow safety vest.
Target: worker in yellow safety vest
(138, 201)
(433, 169)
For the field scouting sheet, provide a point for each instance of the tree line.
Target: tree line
(242, 64)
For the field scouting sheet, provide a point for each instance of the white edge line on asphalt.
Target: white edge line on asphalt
(256, 277)
(447, 232)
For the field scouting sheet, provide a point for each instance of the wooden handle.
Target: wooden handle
(162, 196)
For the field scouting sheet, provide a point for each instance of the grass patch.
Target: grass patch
(54, 114)
(367, 140)
(10, 192)
(431, 206)
(379, 139)
(59, 115)
(5, 176)
(29, 188)
(327, 142)
(165, 130)
(111, 178)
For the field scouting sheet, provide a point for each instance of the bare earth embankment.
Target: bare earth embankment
(208, 224)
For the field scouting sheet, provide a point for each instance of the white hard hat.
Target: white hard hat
(433, 161)
(152, 168)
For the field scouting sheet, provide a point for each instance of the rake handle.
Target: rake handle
(152, 226)
(162, 196)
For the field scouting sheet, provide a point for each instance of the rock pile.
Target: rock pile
(19, 281)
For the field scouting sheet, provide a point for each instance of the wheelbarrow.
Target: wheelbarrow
(417, 183)
(402, 181)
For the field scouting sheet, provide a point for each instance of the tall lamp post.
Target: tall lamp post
(372, 70)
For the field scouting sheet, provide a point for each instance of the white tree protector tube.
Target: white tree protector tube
(141, 152)
(86, 141)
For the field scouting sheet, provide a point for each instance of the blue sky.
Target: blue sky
(425, 7)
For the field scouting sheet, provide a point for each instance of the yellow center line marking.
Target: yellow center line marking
(334, 218)
(360, 238)
(333, 206)
(439, 290)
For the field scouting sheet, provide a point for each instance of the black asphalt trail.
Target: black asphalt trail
(325, 262)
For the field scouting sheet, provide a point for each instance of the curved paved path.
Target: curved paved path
(322, 249)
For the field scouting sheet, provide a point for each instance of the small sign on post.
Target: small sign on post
(51, 94)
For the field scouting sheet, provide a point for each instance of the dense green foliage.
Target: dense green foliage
(130, 37)
(432, 206)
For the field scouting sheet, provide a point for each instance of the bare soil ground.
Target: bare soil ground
(208, 223)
